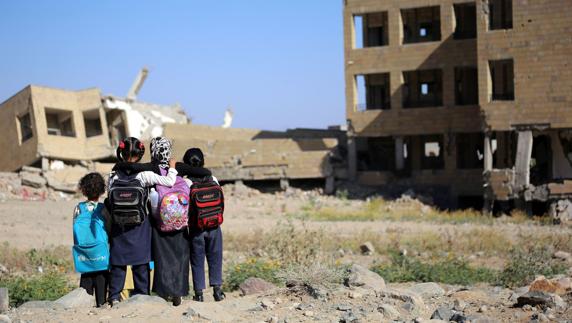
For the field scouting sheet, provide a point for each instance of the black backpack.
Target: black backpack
(128, 200)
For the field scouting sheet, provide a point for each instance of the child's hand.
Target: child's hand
(172, 163)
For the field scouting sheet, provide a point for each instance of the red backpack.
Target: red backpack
(207, 204)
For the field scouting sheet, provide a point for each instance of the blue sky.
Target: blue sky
(279, 64)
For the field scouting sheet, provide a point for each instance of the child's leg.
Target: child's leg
(198, 260)
(86, 282)
(140, 279)
(100, 287)
(116, 282)
(213, 247)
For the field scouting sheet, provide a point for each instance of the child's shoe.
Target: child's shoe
(218, 293)
(177, 301)
(198, 296)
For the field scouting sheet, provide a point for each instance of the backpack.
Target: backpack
(90, 250)
(173, 211)
(128, 200)
(207, 204)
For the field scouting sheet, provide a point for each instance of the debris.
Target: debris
(563, 255)
(254, 285)
(40, 305)
(343, 308)
(534, 298)
(75, 299)
(427, 290)
(140, 299)
(459, 305)
(367, 248)
(442, 313)
(550, 286)
(388, 311)
(362, 277)
(4, 300)
(267, 304)
(34, 180)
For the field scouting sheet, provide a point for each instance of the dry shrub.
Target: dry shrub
(291, 243)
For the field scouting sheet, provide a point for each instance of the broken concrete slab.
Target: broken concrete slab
(34, 180)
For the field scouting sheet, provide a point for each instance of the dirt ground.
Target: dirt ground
(25, 225)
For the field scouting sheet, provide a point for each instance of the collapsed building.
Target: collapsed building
(66, 133)
(467, 100)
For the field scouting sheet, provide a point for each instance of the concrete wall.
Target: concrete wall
(70, 148)
(397, 58)
(14, 152)
(254, 154)
(541, 47)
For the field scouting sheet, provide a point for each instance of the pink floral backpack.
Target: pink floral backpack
(173, 212)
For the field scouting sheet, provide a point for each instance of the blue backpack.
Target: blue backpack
(91, 249)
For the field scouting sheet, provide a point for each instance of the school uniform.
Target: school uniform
(131, 245)
(95, 282)
(205, 244)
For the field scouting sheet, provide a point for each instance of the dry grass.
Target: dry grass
(379, 209)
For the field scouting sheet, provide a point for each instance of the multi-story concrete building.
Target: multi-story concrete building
(440, 92)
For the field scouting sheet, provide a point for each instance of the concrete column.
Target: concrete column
(523, 156)
(284, 184)
(488, 153)
(352, 158)
(399, 159)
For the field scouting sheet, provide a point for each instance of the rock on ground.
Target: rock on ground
(362, 277)
(4, 300)
(427, 290)
(255, 285)
(367, 248)
(388, 311)
(141, 299)
(534, 298)
(76, 298)
(40, 305)
(5, 319)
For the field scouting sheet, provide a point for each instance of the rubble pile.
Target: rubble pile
(35, 184)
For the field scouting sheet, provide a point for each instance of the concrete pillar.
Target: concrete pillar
(523, 156)
(284, 184)
(352, 158)
(330, 185)
(488, 153)
(399, 159)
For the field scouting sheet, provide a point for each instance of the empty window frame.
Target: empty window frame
(421, 25)
(92, 123)
(25, 125)
(432, 152)
(470, 150)
(500, 14)
(376, 154)
(502, 80)
(422, 88)
(60, 122)
(466, 86)
(373, 92)
(465, 21)
(371, 30)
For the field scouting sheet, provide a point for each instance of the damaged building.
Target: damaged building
(468, 101)
(66, 133)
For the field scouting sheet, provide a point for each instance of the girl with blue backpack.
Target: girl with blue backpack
(91, 248)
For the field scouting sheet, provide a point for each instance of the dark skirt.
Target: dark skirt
(171, 256)
(131, 245)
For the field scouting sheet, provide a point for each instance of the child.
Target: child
(131, 244)
(91, 249)
(204, 242)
